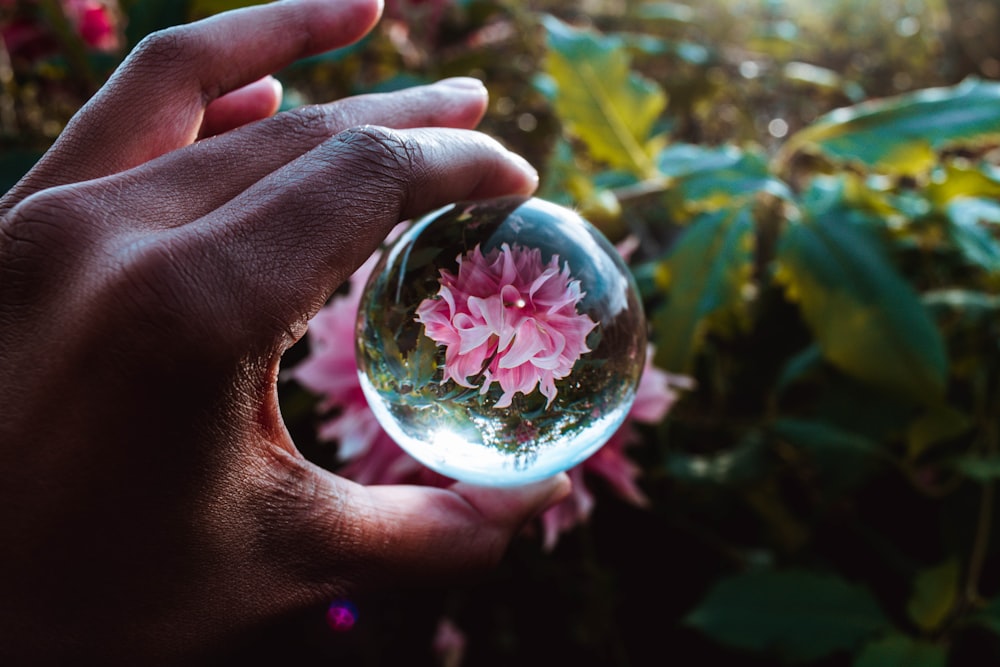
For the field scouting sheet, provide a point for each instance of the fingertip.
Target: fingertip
(562, 486)
(528, 172)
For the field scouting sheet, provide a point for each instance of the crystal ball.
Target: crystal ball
(501, 341)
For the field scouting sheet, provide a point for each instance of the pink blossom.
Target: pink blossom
(94, 22)
(654, 397)
(507, 318)
(449, 644)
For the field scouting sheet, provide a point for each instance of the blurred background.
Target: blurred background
(808, 194)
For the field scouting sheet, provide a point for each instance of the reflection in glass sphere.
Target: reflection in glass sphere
(500, 342)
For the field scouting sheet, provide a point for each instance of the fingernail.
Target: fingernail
(463, 83)
(561, 488)
(524, 166)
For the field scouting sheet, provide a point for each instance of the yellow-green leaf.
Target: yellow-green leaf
(935, 592)
(897, 650)
(902, 134)
(867, 320)
(598, 98)
(707, 270)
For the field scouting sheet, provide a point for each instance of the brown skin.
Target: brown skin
(154, 266)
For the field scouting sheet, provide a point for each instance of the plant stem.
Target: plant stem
(981, 542)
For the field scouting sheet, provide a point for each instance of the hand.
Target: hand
(154, 266)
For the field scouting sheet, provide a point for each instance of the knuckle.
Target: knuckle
(44, 231)
(382, 162)
(312, 123)
(384, 150)
(164, 48)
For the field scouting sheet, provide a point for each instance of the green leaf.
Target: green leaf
(800, 615)
(989, 616)
(841, 458)
(938, 424)
(612, 109)
(147, 16)
(703, 277)
(902, 134)
(745, 462)
(898, 650)
(975, 231)
(705, 178)
(821, 436)
(981, 469)
(665, 11)
(867, 320)
(935, 592)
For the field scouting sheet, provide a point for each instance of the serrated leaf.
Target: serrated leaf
(612, 109)
(707, 268)
(898, 650)
(935, 592)
(902, 134)
(866, 319)
(800, 615)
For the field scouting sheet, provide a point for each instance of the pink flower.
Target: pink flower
(507, 318)
(449, 644)
(94, 22)
(654, 397)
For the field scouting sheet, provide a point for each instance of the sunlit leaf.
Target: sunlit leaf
(898, 650)
(689, 52)
(935, 592)
(612, 109)
(953, 181)
(704, 276)
(975, 230)
(902, 134)
(799, 615)
(867, 320)
(665, 11)
(707, 178)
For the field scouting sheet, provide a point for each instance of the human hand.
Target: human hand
(154, 266)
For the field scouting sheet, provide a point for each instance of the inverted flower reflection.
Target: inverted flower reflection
(508, 318)
(369, 454)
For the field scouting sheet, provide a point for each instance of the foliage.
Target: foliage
(816, 195)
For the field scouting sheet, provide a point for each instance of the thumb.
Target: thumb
(399, 534)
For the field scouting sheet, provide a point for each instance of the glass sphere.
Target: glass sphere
(500, 342)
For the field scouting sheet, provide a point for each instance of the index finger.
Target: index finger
(155, 102)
